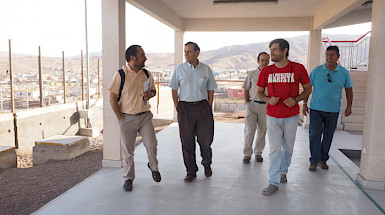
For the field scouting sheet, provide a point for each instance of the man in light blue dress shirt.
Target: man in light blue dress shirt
(196, 84)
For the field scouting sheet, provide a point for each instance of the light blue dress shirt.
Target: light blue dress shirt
(193, 82)
(327, 95)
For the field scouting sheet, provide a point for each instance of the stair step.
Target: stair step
(356, 97)
(356, 104)
(353, 118)
(353, 127)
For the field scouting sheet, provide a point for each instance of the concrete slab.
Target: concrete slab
(234, 188)
(8, 158)
(59, 147)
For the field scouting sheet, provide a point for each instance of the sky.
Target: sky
(58, 25)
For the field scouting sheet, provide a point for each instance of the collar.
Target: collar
(325, 68)
(191, 66)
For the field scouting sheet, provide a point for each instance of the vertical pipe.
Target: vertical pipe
(88, 68)
(1, 99)
(98, 77)
(64, 80)
(157, 104)
(11, 78)
(82, 75)
(40, 79)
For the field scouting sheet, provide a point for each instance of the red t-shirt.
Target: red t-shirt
(283, 83)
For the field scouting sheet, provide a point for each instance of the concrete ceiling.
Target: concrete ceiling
(286, 15)
(206, 8)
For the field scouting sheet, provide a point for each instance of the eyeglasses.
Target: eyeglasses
(329, 78)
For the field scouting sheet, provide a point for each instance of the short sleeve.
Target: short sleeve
(304, 75)
(174, 82)
(114, 85)
(313, 75)
(262, 82)
(349, 82)
(246, 84)
(211, 84)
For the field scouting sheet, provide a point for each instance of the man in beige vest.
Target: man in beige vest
(255, 113)
(133, 112)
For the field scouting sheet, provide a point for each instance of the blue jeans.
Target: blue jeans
(281, 133)
(322, 124)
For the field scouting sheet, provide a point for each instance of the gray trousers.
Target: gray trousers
(196, 120)
(130, 125)
(255, 118)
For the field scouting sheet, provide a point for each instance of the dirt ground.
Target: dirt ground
(25, 189)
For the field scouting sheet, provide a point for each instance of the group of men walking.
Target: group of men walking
(272, 93)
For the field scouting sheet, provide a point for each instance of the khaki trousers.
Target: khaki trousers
(255, 118)
(130, 125)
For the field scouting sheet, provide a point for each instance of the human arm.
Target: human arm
(149, 94)
(305, 108)
(211, 97)
(115, 105)
(261, 95)
(349, 99)
(174, 94)
(291, 101)
(247, 96)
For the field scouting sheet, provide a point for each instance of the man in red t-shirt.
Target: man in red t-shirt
(282, 80)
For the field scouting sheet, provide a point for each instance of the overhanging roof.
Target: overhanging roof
(286, 15)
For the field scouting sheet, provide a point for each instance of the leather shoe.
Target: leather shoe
(155, 174)
(208, 171)
(127, 185)
(190, 177)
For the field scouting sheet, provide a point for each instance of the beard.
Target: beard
(276, 58)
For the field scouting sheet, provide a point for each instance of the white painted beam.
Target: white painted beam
(352, 18)
(248, 24)
(334, 10)
(159, 11)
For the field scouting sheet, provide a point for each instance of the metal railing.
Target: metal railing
(353, 54)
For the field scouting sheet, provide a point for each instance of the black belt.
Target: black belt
(137, 114)
(194, 103)
(260, 102)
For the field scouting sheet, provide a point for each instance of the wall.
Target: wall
(39, 123)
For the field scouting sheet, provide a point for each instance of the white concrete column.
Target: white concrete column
(114, 46)
(372, 171)
(178, 54)
(313, 60)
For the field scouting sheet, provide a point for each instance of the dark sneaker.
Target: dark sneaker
(189, 177)
(127, 186)
(246, 159)
(155, 174)
(283, 178)
(259, 158)
(313, 167)
(208, 171)
(270, 190)
(323, 165)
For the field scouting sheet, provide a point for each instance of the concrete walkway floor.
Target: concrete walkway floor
(234, 188)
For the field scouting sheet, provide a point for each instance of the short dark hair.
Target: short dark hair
(333, 48)
(196, 47)
(132, 51)
(282, 45)
(259, 55)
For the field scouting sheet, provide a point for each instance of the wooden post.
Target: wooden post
(99, 77)
(40, 79)
(64, 80)
(157, 104)
(82, 76)
(11, 78)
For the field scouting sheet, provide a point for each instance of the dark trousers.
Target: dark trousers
(322, 126)
(195, 120)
